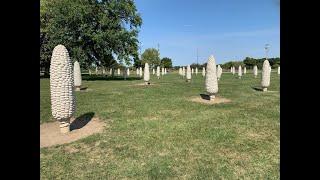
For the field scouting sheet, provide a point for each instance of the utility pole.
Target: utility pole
(197, 56)
(266, 47)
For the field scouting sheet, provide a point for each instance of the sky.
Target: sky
(227, 29)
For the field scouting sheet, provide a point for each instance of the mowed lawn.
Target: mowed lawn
(155, 132)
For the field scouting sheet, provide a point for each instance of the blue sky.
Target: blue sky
(228, 29)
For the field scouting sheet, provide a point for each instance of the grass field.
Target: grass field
(156, 133)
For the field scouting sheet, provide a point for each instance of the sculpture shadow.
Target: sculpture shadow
(257, 88)
(108, 78)
(81, 121)
(83, 88)
(205, 96)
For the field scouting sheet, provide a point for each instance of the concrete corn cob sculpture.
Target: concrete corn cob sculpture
(192, 70)
(128, 72)
(183, 72)
(140, 72)
(279, 70)
(265, 82)
(158, 72)
(146, 76)
(188, 73)
(244, 70)
(219, 72)
(61, 87)
(196, 71)
(203, 71)
(233, 70)
(211, 81)
(153, 71)
(239, 71)
(255, 71)
(77, 75)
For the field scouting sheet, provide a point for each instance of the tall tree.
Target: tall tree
(166, 62)
(150, 56)
(95, 32)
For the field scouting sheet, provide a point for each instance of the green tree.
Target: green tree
(99, 32)
(150, 56)
(166, 62)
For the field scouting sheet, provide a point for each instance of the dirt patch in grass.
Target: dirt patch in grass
(142, 84)
(217, 100)
(50, 134)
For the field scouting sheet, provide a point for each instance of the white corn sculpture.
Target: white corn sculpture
(188, 73)
(203, 71)
(118, 72)
(110, 71)
(255, 71)
(77, 76)
(265, 82)
(183, 72)
(211, 81)
(146, 73)
(196, 71)
(61, 87)
(96, 70)
(244, 70)
(90, 72)
(158, 72)
(233, 70)
(279, 70)
(128, 72)
(192, 71)
(153, 72)
(219, 72)
(239, 71)
(140, 72)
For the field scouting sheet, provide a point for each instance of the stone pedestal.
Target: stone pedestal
(264, 89)
(77, 88)
(65, 125)
(212, 96)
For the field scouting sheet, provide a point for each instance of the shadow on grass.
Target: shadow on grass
(108, 78)
(81, 121)
(257, 88)
(83, 88)
(205, 96)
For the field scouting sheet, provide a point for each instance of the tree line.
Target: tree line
(248, 62)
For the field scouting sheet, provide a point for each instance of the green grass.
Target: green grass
(156, 133)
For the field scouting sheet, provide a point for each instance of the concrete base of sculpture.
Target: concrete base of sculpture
(212, 97)
(188, 80)
(264, 89)
(65, 126)
(77, 88)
